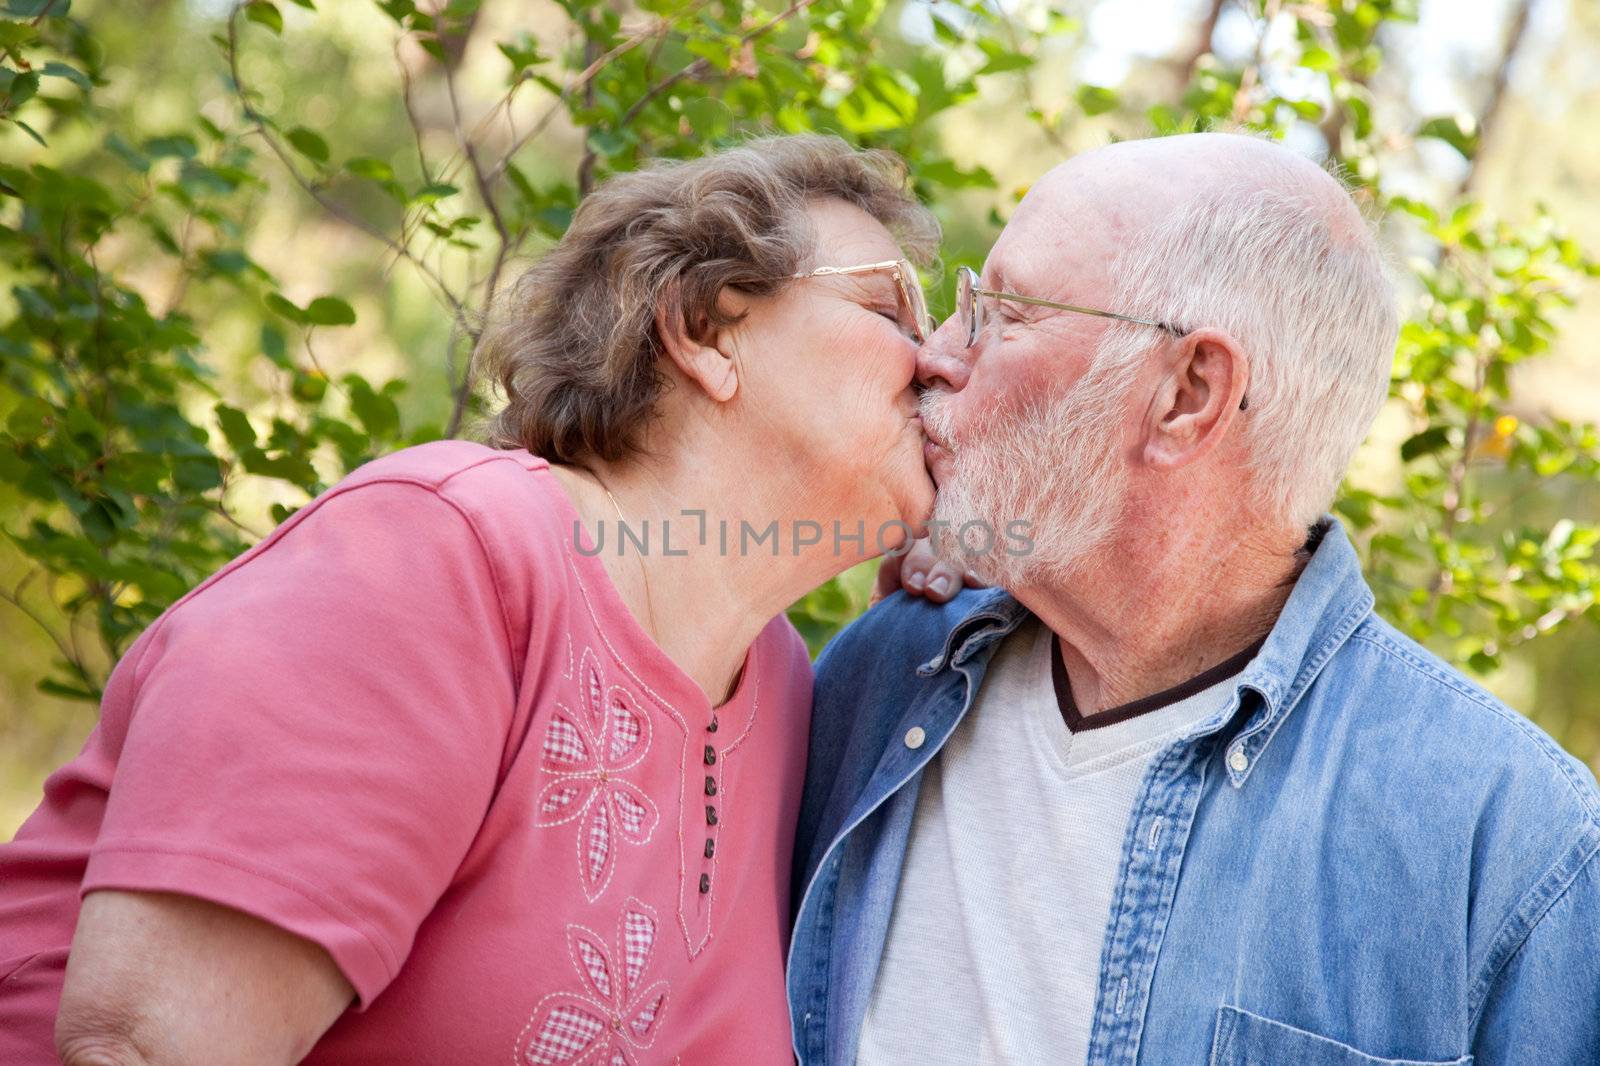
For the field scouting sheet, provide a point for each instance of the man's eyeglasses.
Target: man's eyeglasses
(971, 308)
(913, 307)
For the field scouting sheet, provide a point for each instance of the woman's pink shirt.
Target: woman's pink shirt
(417, 726)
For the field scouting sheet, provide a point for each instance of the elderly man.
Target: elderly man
(1177, 795)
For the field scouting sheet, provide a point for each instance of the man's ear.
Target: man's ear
(696, 348)
(1197, 400)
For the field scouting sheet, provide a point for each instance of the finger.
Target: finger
(973, 581)
(944, 580)
(888, 579)
(918, 567)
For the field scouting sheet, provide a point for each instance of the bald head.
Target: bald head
(1133, 186)
(1236, 233)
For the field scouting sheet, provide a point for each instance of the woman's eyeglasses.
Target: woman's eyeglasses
(913, 303)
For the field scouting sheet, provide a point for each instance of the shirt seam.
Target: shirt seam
(1516, 928)
(278, 535)
(282, 878)
(1520, 722)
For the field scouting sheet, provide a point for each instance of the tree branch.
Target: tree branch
(258, 123)
(1488, 118)
(700, 66)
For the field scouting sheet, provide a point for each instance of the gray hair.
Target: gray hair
(573, 344)
(1309, 299)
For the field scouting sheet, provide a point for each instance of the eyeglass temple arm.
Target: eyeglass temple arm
(1017, 298)
(862, 269)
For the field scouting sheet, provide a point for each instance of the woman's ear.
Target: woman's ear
(696, 349)
(1197, 401)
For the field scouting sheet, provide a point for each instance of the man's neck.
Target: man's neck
(1149, 613)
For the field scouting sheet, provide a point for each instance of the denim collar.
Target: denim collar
(1330, 599)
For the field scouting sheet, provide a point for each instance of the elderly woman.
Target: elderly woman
(438, 774)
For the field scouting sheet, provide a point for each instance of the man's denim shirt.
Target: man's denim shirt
(1364, 859)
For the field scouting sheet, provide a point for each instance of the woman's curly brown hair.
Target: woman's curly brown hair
(573, 343)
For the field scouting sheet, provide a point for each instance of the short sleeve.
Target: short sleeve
(316, 735)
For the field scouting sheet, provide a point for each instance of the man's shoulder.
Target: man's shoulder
(892, 639)
(1460, 729)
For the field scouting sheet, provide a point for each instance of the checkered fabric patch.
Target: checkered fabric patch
(596, 965)
(568, 1032)
(564, 746)
(627, 728)
(599, 843)
(638, 940)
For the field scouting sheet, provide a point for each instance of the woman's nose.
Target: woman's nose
(942, 362)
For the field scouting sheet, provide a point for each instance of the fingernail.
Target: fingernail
(915, 580)
(939, 586)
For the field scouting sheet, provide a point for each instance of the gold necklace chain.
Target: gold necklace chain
(644, 571)
(644, 579)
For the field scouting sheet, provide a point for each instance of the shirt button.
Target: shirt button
(914, 737)
(1239, 762)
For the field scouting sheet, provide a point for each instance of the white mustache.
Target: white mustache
(935, 417)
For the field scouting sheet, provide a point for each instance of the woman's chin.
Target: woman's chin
(918, 499)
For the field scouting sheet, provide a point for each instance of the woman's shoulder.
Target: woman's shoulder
(508, 496)
(441, 463)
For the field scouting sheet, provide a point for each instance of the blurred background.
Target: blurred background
(246, 247)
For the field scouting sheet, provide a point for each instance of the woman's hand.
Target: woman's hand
(920, 572)
(166, 980)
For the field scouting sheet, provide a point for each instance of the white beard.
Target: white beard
(1054, 465)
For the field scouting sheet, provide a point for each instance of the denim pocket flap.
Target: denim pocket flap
(1245, 1039)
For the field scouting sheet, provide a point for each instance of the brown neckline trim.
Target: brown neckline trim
(1079, 723)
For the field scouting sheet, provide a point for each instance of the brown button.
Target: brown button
(711, 847)
(711, 755)
(711, 816)
(705, 883)
(712, 728)
(711, 786)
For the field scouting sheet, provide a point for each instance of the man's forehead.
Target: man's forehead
(1063, 235)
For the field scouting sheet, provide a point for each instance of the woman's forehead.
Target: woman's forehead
(848, 236)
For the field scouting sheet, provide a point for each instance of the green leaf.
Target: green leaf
(30, 9)
(1458, 131)
(236, 428)
(377, 412)
(31, 132)
(309, 144)
(1427, 442)
(433, 192)
(330, 311)
(68, 692)
(265, 13)
(1005, 62)
(1319, 59)
(55, 69)
(283, 307)
(20, 89)
(367, 167)
(1096, 99)
(177, 145)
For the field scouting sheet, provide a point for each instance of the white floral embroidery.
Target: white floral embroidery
(586, 754)
(609, 1018)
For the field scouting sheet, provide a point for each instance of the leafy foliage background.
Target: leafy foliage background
(245, 247)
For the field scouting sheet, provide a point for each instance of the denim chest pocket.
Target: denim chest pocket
(1245, 1039)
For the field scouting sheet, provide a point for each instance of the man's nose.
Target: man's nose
(942, 361)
